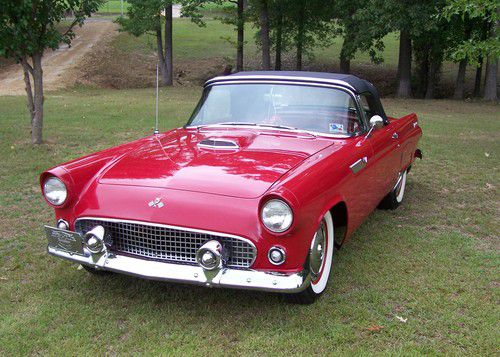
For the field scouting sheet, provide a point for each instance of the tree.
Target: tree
(145, 16)
(478, 47)
(27, 29)
(234, 14)
(362, 26)
(265, 41)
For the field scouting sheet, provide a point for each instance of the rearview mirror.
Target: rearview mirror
(376, 122)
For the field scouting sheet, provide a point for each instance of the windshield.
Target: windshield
(288, 106)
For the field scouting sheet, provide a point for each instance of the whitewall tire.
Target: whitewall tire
(318, 263)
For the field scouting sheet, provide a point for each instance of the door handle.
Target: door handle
(395, 136)
(358, 165)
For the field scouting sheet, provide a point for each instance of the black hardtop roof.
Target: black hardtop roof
(355, 83)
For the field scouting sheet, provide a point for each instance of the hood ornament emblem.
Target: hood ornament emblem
(156, 203)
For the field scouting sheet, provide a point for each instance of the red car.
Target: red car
(271, 174)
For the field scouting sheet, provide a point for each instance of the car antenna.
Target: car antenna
(156, 115)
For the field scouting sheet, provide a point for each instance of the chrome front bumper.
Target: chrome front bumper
(67, 245)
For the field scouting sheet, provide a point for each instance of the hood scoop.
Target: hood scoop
(218, 144)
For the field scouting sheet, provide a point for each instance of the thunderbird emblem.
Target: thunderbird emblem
(156, 203)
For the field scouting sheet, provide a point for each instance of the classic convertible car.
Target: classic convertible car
(271, 174)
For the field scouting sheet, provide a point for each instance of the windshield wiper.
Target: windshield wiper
(278, 126)
(225, 123)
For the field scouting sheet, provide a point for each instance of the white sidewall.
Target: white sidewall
(320, 285)
(399, 197)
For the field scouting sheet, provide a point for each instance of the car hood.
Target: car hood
(245, 166)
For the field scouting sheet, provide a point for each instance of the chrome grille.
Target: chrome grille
(166, 243)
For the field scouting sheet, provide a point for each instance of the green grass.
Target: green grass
(113, 7)
(434, 261)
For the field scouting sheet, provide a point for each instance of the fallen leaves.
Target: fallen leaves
(375, 328)
(402, 319)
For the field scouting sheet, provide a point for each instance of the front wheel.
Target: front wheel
(319, 263)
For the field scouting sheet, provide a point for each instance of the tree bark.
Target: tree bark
(27, 70)
(279, 42)
(490, 81)
(460, 84)
(345, 61)
(264, 35)
(477, 81)
(161, 59)
(37, 117)
(432, 79)
(240, 36)
(345, 57)
(169, 64)
(300, 40)
(404, 65)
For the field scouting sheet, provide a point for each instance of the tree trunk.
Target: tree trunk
(477, 82)
(37, 117)
(404, 65)
(161, 59)
(240, 36)
(345, 57)
(432, 79)
(27, 70)
(279, 42)
(264, 36)
(460, 84)
(490, 81)
(300, 38)
(345, 61)
(169, 63)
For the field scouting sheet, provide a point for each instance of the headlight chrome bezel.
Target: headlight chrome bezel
(265, 220)
(62, 187)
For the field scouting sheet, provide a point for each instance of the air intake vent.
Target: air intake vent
(220, 144)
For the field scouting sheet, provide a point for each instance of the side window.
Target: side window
(368, 105)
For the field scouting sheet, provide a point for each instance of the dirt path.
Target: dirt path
(58, 65)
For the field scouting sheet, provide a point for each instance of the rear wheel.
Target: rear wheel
(319, 263)
(395, 197)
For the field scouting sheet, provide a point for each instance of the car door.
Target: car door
(385, 162)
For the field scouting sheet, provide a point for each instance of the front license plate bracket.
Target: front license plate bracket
(64, 240)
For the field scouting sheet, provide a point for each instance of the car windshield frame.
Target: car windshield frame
(355, 98)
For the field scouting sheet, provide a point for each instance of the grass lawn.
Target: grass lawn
(113, 7)
(434, 261)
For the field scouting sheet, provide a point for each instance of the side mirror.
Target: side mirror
(376, 122)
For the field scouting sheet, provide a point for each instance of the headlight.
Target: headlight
(55, 191)
(277, 216)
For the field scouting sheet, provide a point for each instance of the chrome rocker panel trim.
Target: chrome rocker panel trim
(161, 271)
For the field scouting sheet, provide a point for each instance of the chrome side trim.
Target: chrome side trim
(359, 165)
(173, 227)
(225, 277)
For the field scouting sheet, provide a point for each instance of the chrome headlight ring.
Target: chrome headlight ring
(55, 191)
(276, 215)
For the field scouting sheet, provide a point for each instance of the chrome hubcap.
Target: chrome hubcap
(318, 250)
